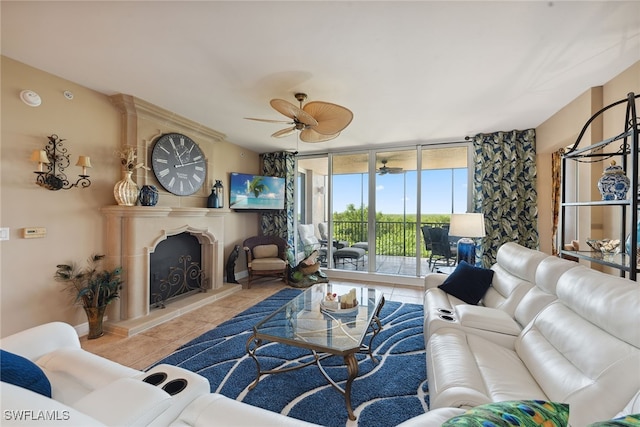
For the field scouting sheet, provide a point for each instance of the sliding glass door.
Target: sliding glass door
(368, 208)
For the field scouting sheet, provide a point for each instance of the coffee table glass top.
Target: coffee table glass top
(301, 321)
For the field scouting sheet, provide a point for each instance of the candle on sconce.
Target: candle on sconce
(85, 162)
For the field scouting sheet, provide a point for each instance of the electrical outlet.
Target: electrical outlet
(4, 233)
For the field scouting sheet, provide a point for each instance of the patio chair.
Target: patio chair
(266, 256)
(323, 228)
(436, 240)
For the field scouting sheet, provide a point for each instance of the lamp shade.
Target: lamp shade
(84, 161)
(39, 156)
(467, 225)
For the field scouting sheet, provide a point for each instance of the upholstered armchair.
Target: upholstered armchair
(266, 256)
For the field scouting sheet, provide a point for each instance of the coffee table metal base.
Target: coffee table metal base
(350, 361)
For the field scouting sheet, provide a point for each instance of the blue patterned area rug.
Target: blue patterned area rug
(383, 394)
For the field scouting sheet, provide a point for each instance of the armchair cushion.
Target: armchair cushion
(468, 283)
(264, 264)
(22, 372)
(265, 251)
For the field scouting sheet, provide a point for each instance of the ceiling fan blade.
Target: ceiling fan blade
(269, 121)
(293, 112)
(310, 135)
(284, 132)
(395, 170)
(331, 118)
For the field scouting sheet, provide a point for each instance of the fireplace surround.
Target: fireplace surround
(132, 234)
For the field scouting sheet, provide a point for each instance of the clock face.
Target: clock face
(179, 164)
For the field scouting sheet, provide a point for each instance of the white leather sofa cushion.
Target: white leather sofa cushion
(515, 270)
(584, 348)
(22, 407)
(125, 402)
(544, 292)
(217, 410)
(74, 373)
(465, 370)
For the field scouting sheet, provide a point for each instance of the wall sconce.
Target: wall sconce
(56, 159)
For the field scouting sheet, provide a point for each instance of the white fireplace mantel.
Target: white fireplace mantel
(132, 234)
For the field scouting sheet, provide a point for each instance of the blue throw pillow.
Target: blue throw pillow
(468, 283)
(22, 372)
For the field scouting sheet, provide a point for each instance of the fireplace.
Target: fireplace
(133, 233)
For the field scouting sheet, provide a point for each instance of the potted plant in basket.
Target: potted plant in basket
(93, 288)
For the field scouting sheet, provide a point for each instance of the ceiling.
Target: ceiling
(411, 72)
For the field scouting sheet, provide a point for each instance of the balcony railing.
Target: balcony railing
(392, 238)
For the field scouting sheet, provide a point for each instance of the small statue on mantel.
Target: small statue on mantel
(231, 265)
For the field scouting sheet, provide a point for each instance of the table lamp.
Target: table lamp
(468, 226)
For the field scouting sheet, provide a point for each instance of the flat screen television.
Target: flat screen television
(256, 192)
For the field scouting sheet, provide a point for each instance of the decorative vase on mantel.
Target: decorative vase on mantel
(126, 191)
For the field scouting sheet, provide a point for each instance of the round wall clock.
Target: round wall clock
(179, 164)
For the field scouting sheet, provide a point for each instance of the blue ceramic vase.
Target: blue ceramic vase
(148, 195)
(613, 184)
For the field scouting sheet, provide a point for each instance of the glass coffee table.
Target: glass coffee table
(302, 322)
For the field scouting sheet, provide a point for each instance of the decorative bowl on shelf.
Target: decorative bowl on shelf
(608, 246)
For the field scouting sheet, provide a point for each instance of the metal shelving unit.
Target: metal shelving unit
(627, 152)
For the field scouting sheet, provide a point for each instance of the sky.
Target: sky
(443, 191)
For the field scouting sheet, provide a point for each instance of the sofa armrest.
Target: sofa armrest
(35, 342)
(22, 407)
(125, 402)
(433, 280)
(216, 409)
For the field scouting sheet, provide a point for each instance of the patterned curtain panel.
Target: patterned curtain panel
(280, 223)
(504, 190)
(556, 178)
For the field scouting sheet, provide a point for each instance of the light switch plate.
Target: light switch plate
(4, 233)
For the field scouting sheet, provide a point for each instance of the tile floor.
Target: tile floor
(142, 350)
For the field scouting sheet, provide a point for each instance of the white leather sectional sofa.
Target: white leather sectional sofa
(88, 390)
(547, 329)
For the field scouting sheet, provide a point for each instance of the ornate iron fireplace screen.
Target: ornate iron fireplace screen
(186, 278)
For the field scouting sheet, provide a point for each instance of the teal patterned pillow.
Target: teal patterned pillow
(522, 413)
(626, 421)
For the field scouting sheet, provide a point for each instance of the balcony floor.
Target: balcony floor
(394, 265)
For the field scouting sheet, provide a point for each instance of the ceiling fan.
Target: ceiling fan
(317, 121)
(386, 169)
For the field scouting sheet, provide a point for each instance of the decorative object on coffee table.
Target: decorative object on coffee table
(92, 288)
